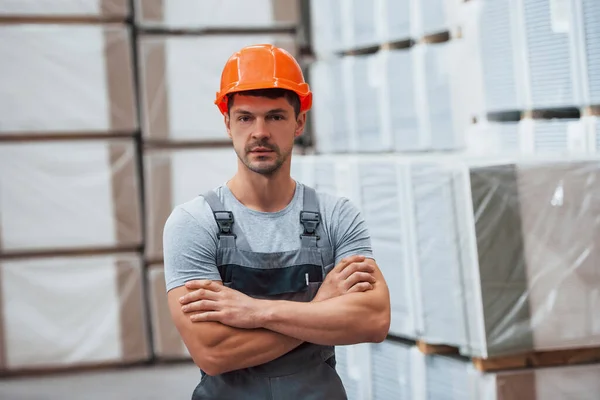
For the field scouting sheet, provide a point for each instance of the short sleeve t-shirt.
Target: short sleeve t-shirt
(190, 233)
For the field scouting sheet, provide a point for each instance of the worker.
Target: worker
(265, 275)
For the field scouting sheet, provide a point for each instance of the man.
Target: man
(264, 275)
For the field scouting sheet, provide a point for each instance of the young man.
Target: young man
(264, 275)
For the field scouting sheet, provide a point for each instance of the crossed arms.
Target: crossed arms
(225, 330)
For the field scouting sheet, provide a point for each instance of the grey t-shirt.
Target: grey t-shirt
(190, 233)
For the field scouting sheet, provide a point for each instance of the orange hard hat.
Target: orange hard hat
(263, 66)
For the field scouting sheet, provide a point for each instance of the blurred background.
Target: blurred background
(467, 132)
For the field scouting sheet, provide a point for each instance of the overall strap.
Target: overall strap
(310, 218)
(225, 221)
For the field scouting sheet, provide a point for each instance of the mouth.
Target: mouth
(261, 150)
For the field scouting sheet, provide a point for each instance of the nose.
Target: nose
(260, 130)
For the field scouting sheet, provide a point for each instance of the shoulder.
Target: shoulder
(334, 207)
(189, 218)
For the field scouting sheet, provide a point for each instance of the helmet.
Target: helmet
(262, 66)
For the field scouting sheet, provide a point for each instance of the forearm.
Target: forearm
(231, 348)
(349, 319)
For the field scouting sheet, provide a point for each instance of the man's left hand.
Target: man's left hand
(211, 301)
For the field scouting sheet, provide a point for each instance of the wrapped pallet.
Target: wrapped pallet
(354, 368)
(180, 76)
(530, 248)
(553, 136)
(64, 8)
(385, 206)
(168, 344)
(69, 195)
(72, 311)
(326, 27)
(393, 376)
(70, 79)
(588, 26)
(222, 14)
(175, 176)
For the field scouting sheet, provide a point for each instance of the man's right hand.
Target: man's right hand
(352, 274)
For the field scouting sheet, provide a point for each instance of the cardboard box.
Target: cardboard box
(65, 312)
(64, 8)
(69, 195)
(223, 14)
(180, 77)
(175, 176)
(70, 79)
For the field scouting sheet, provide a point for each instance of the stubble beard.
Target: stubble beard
(262, 168)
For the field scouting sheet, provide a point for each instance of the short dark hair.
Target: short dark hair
(272, 93)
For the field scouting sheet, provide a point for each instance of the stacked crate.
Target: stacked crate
(71, 271)
(182, 48)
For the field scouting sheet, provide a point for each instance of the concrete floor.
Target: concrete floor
(173, 382)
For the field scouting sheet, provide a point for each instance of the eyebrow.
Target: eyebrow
(274, 111)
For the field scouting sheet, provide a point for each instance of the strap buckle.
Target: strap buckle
(310, 220)
(225, 221)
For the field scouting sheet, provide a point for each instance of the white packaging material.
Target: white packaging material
(60, 195)
(66, 79)
(179, 83)
(386, 208)
(353, 365)
(394, 21)
(222, 14)
(432, 16)
(326, 27)
(64, 8)
(331, 83)
(175, 176)
(391, 371)
(72, 311)
(370, 129)
(168, 344)
(493, 138)
(586, 32)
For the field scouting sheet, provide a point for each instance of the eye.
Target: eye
(277, 117)
(244, 118)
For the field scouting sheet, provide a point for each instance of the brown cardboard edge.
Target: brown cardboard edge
(125, 191)
(118, 8)
(286, 11)
(119, 72)
(521, 384)
(134, 337)
(159, 199)
(168, 342)
(155, 110)
(151, 10)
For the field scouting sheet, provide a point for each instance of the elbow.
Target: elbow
(379, 327)
(207, 361)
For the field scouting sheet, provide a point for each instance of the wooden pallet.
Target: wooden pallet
(552, 358)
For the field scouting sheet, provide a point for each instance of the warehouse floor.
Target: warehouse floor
(173, 382)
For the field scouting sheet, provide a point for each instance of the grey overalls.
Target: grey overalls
(307, 372)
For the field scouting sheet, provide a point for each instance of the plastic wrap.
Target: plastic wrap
(354, 368)
(326, 27)
(71, 311)
(218, 13)
(391, 371)
(394, 21)
(167, 341)
(72, 79)
(588, 26)
(530, 247)
(180, 82)
(333, 127)
(432, 16)
(69, 195)
(440, 316)
(372, 130)
(64, 8)
(385, 206)
(401, 102)
(175, 176)
(488, 137)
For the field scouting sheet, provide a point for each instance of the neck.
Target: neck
(263, 193)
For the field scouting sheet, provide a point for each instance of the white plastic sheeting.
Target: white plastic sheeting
(175, 176)
(71, 311)
(167, 341)
(64, 8)
(180, 82)
(354, 368)
(60, 195)
(218, 13)
(66, 79)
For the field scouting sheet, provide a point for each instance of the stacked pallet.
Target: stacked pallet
(71, 272)
(182, 49)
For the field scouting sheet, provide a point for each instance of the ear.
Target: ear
(300, 124)
(227, 121)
